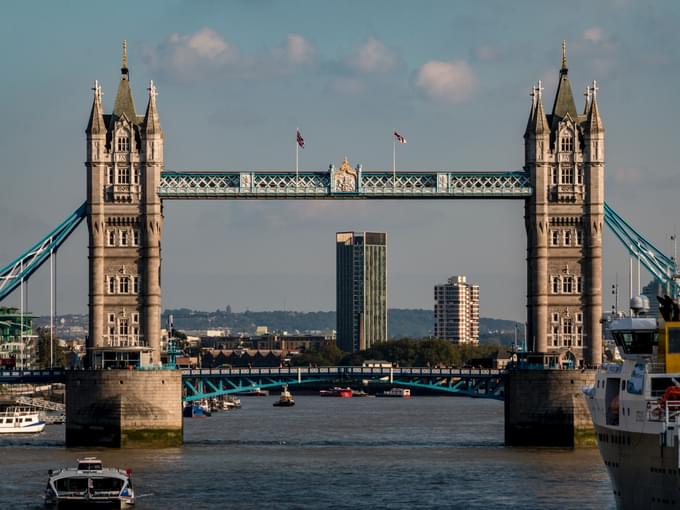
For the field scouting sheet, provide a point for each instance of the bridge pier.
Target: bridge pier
(124, 408)
(548, 408)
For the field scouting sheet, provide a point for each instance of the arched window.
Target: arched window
(567, 143)
(567, 285)
(555, 238)
(123, 143)
(556, 285)
(124, 285)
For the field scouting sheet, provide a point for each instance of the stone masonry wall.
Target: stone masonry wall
(124, 408)
(548, 408)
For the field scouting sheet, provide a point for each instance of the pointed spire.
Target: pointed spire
(564, 98)
(125, 103)
(152, 124)
(541, 123)
(587, 95)
(538, 123)
(95, 125)
(594, 121)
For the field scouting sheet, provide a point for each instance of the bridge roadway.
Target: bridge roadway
(207, 383)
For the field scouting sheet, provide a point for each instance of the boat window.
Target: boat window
(71, 484)
(89, 466)
(107, 484)
(659, 385)
(674, 340)
(638, 342)
(611, 399)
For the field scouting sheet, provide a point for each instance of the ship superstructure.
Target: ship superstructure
(635, 407)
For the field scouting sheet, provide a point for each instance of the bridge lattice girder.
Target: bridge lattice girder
(209, 383)
(317, 185)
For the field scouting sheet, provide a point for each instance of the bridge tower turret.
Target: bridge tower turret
(564, 156)
(124, 163)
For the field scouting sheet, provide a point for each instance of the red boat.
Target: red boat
(337, 392)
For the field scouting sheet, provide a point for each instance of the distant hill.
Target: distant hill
(401, 323)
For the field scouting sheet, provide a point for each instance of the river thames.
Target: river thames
(331, 453)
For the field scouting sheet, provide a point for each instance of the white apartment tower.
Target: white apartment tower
(456, 311)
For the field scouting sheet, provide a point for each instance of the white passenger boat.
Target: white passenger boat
(89, 485)
(396, 392)
(20, 420)
(635, 407)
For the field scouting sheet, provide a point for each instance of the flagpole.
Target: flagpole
(297, 148)
(394, 161)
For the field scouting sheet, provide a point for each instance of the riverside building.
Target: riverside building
(361, 289)
(456, 311)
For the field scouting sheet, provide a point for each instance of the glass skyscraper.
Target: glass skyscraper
(361, 289)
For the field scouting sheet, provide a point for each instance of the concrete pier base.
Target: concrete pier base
(124, 408)
(548, 408)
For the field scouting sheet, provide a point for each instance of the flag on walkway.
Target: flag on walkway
(399, 138)
(300, 140)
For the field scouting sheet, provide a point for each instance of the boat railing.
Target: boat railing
(664, 411)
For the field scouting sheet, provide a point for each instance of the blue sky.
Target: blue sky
(236, 78)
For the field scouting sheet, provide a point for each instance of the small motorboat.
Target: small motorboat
(286, 399)
(195, 410)
(396, 392)
(89, 484)
(20, 420)
(337, 392)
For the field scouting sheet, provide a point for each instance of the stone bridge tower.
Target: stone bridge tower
(124, 163)
(564, 155)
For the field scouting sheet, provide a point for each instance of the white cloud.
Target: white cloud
(451, 82)
(593, 35)
(373, 57)
(299, 50)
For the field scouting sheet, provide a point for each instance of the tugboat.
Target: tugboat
(286, 399)
(635, 408)
(89, 484)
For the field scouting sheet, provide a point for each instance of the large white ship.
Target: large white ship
(635, 407)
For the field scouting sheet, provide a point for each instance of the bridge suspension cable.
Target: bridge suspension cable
(20, 269)
(662, 267)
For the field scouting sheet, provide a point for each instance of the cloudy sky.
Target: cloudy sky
(236, 78)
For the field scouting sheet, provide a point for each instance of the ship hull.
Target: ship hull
(644, 475)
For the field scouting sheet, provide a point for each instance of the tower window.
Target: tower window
(124, 176)
(555, 336)
(567, 238)
(123, 143)
(579, 174)
(555, 238)
(579, 336)
(135, 285)
(135, 176)
(135, 237)
(111, 238)
(112, 285)
(556, 285)
(556, 317)
(553, 175)
(579, 237)
(567, 285)
(124, 285)
(578, 285)
(135, 318)
(112, 317)
(568, 175)
(123, 327)
(567, 143)
(579, 317)
(109, 175)
(124, 238)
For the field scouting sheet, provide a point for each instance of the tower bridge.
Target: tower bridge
(561, 184)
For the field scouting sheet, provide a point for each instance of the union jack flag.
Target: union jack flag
(300, 140)
(399, 138)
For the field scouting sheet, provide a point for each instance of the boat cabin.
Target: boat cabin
(89, 464)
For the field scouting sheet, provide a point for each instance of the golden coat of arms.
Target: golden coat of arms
(345, 177)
